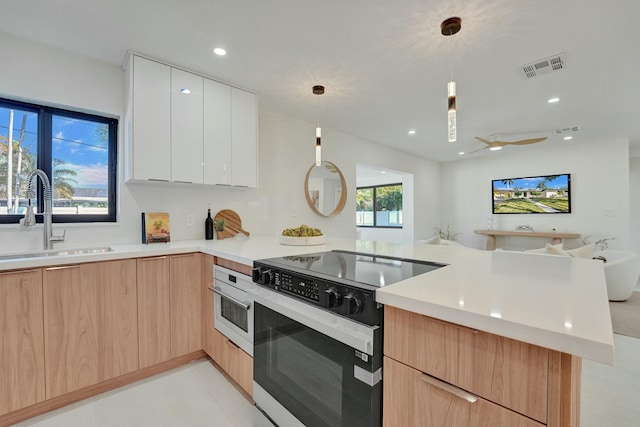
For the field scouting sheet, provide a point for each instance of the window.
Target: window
(77, 151)
(379, 206)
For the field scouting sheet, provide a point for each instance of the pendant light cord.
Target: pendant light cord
(451, 53)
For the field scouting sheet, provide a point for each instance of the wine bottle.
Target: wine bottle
(208, 226)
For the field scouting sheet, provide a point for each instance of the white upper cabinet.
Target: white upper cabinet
(186, 126)
(207, 136)
(244, 127)
(217, 133)
(148, 120)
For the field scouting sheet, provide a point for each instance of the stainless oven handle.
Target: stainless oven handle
(244, 304)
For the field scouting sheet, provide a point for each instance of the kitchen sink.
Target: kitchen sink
(54, 252)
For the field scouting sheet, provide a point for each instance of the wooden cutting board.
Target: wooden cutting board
(233, 223)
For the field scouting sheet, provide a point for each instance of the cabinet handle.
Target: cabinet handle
(183, 182)
(182, 256)
(64, 267)
(158, 180)
(19, 272)
(471, 398)
(152, 258)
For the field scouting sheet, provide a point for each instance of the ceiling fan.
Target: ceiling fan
(491, 144)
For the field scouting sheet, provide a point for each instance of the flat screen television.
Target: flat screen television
(543, 194)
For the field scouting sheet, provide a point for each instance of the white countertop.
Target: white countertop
(554, 302)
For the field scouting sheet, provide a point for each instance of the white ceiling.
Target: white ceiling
(385, 64)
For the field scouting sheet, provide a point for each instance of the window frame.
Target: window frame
(375, 193)
(45, 159)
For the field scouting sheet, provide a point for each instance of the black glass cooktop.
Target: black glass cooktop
(354, 267)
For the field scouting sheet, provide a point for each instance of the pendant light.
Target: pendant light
(448, 28)
(318, 90)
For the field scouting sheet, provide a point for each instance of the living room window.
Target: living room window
(379, 206)
(76, 150)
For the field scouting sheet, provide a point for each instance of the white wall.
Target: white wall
(599, 193)
(634, 196)
(286, 150)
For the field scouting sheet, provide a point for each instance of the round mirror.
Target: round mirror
(326, 189)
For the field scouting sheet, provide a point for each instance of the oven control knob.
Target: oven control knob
(256, 274)
(333, 297)
(351, 304)
(267, 277)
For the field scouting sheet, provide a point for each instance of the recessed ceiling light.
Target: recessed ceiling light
(495, 148)
(185, 91)
(219, 51)
(568, 137)
(461, 153)
(383, 171)
(412, 132)
(553, 100)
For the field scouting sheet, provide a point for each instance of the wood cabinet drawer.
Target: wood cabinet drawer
(412, 399)
(511, 373)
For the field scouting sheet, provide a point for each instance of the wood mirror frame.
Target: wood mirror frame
(318, 171)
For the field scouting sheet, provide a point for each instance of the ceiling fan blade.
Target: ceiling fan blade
(475, 151)
(526, 141)
(486, 141)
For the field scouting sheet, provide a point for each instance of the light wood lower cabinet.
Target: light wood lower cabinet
(186, 304)
(90, 324)
(21, 340)
(169, 307)
(538, 383)
(411, 399)
(154, 309)
(232, 359)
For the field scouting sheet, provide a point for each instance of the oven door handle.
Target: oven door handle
(246, 305)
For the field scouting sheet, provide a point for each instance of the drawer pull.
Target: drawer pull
(66, 267)
(471, 398)
(183, 256)
(155, 258)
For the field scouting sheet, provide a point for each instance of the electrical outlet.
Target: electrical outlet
(189, 220)
(294, 212)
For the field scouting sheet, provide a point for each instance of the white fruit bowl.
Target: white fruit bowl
(302, 241)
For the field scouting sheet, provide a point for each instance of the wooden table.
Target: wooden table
(555, 237)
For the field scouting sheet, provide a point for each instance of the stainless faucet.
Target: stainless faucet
(29, 217)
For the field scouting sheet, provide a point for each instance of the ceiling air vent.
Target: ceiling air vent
(566, 130)
(544, 66)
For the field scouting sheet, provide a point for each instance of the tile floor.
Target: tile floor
(193, 395)
(197, 394)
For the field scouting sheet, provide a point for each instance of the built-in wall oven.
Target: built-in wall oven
(233, 307)
(318, 337)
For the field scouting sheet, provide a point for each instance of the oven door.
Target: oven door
(234, 315)
(306, 377)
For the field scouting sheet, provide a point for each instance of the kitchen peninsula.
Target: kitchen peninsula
(543, 312)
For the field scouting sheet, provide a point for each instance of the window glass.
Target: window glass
(364, 207)
(17, 158)
(80, 159)
(389, 206)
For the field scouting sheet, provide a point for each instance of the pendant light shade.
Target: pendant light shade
(448, 28)
(451, 94)
(318, 90)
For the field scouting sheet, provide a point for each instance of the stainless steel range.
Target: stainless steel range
(318, 337)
